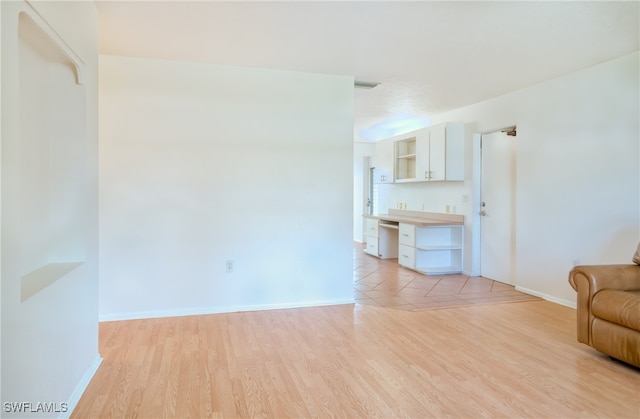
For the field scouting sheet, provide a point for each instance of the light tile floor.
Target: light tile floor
(382, 282)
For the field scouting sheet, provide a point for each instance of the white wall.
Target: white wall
(49, 277)
(578, 174)
(431, 197)
(200, 164)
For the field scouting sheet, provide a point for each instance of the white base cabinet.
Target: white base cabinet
(431, 249)
(382, 239)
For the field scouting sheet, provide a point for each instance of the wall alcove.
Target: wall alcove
(51, 181)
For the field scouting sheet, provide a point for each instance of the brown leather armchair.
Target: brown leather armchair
(608, 309)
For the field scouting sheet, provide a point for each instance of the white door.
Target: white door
(437, 152)
(367, 188)
(497, 221)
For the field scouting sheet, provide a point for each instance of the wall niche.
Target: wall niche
(51, 159)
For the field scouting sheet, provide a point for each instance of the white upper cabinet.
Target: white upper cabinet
(383, 161)
(446, 152)
(430, 154)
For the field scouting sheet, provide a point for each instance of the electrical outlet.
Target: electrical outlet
(229, 266)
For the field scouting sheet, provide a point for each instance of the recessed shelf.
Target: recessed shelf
(434, 270)
(405, 159)
(431, 249)
(442, 247)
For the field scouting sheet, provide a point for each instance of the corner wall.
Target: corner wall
(578, 174)
(361, 150)
(49, 277)
(203, 164)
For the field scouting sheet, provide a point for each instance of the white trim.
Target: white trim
(561, 301)
(81, 387)
(216, 310)
(51, 33)
(475, 205)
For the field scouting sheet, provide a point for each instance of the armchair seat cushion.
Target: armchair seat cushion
(618, 306)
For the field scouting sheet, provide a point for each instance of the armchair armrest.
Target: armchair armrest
(598, 277)
(587, 280)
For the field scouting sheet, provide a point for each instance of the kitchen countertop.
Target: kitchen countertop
(419, 218)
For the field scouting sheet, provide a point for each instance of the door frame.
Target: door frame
(367, 180)
(476, 185)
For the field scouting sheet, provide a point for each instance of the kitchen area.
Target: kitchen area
(414, 199)
(430, 243)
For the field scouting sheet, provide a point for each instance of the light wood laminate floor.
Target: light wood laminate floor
(384, 283)
(359, 361)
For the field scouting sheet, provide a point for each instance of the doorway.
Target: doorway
(497, 205)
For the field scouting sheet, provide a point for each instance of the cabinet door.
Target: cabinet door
(372, 227)
(422, 155)
(383, 161)
(437, 152)
(407, 256)
(372, 246)
(454, 166)
(406, 234)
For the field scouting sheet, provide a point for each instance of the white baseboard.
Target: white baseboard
(561, 301)
(216, 310)
(81, 387)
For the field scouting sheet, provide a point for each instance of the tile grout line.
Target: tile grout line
(463, 285)
(432, 288)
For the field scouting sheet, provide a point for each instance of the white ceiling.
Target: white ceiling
(429, 56)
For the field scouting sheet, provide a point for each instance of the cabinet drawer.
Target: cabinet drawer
(407, 256)
(372, 227)
(407, 234)
(372, 246)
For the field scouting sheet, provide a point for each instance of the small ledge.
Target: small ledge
(41, 278)
(442, 247)
(439, 270)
